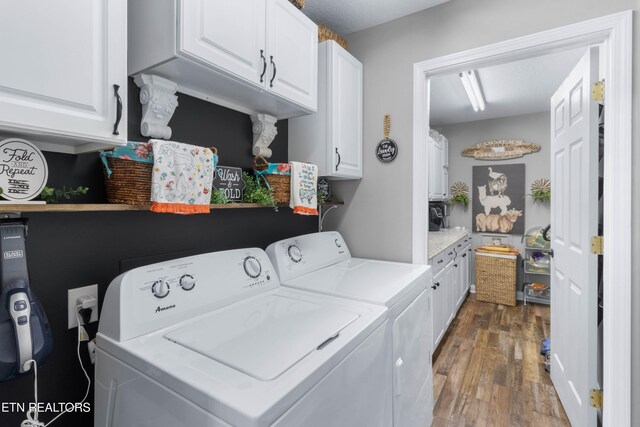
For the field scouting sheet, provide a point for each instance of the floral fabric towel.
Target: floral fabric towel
(181, 178)
(304, 184)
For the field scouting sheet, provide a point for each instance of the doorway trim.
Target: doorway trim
(615, 31)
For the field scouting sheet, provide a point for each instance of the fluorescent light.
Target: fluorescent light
(471, 86)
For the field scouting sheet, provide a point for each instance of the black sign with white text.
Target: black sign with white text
(229, 181)
(386, 150)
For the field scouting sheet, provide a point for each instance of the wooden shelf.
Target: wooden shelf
(107, 207)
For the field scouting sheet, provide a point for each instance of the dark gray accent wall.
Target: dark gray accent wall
(68, 250)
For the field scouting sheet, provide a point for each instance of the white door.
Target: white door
(451, 283)
(59, 67)
(344, 81)
(230, 35)
(574, 219)
(411, 363)
(292, 47)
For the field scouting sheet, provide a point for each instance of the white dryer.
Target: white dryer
(214, 340)
(322, 263)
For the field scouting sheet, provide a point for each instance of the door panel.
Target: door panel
(438, 310)
(345, 95)
(574, 219)
(229, 35)
(292, 45)
(60, 65)
(412, 362)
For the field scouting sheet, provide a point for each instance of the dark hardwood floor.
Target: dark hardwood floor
(488, 370)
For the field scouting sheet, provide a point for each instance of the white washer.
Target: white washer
(214, 340)
(322, 263)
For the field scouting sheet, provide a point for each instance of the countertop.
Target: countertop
(441, 240)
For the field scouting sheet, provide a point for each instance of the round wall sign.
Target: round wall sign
(324, 189)
(386, 150)
(23, 170)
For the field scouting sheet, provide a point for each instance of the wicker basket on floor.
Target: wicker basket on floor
(325, 33)
(496, 278)
(129, 183)
(280, 184)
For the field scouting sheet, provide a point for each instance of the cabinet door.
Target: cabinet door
(230, 35)
(411, 362)
(430, 160)
(438, 310)
(59, 65)
(436, 170)
(445, 182)
(451, 282)
(344, 82)
(292, 47)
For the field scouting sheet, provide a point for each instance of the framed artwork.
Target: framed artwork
(498, 198)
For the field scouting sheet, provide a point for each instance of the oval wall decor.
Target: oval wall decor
(500, 149)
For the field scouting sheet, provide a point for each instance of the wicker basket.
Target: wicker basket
(129, 183)
(280, 185)
(325, 33)
(297, 3)
(496, 278)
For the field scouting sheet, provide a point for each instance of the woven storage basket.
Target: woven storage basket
(496, 278)
(325, 33)
(298, 3)
(129, 183)
(280, 185)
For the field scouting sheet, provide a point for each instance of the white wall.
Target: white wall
(376, 220)
(532, 128)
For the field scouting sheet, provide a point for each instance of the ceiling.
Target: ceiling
(510, 89)
(348, 16)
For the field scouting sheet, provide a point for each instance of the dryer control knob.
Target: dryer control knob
(187, 282)
(338, 243)
(252, 267)
(160, 289)
(294, 253)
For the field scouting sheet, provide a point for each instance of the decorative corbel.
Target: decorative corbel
(264, 131)
(158, 99)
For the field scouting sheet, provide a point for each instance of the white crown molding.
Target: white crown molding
(264, 131)
(158, 99)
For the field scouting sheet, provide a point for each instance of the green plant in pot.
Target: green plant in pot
(541, 190)
(460, 194)
(256, 193)
(53, 195)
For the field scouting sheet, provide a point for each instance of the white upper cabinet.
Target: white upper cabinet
(254, 56)
(292, 47)
(226, 34)
(438, 152)
(61, 67)
(332, 138)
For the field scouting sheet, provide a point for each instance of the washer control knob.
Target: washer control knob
(187, 282)
(338, 243)
(160, 289)
(294, 253)
(252, 267)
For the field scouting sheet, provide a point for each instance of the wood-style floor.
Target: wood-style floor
(488, 370)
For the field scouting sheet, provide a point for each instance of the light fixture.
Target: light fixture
(471, 86)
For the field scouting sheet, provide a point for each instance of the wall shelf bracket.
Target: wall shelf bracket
(159, 102)
(264, 131)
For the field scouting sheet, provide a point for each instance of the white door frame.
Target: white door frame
(615, 31)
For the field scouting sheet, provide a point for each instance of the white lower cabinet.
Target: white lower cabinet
(451, 282)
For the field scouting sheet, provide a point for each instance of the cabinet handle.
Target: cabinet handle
(440, 261)
(264, 65)
(455, 265)
(339, 158)
(437, 284)
(450, 253)
(274, 72)
(118, 109)
(464, 255)
(433, 287)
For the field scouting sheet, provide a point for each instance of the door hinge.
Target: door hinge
(597, 245)
(596, 398)
(597, 91)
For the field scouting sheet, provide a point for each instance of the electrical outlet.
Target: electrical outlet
(72, 298)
